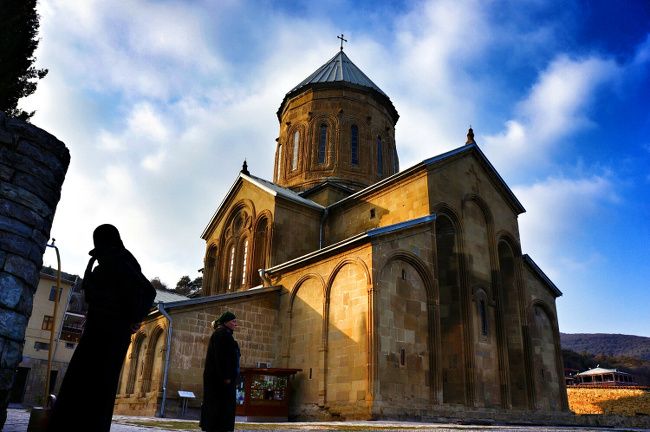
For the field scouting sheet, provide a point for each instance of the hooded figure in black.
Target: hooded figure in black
(220, 377)
(119, 296)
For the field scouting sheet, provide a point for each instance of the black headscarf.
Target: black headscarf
(106, 239)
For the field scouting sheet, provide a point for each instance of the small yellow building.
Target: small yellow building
(396, 293)
(29, 382)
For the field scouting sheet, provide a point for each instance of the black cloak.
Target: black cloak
(221, 364)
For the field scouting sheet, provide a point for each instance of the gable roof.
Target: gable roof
(167, 296)
(459, 152)
(539, 273)
(267, 186)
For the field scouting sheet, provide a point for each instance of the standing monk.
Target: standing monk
(119, 297)
(220, 377)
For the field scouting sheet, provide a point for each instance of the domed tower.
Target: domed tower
(337, 133)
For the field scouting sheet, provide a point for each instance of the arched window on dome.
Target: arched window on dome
(278, 173)
(294, 155)
(322, 143)
(395, 161)
(380, 158)
(354, 144)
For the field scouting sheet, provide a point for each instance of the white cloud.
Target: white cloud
(558, 212)
(557, 106)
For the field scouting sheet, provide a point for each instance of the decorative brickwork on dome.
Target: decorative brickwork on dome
(336, 127)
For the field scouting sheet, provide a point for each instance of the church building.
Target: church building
(395, 293)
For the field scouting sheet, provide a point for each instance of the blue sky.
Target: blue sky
(159, 102)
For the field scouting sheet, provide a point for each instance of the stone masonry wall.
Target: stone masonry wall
(257, 335)
(33, 165)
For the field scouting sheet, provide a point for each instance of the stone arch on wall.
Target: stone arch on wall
(455, 329)
(154, 352)
(510, 297)
(408, 371)
(303, 349)
(137, 346)
(489, 358)
(346, 336)
(261, 248)
(548, 389)
(478, 229)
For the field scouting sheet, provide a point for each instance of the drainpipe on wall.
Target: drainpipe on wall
(162, 310)
(322, 224)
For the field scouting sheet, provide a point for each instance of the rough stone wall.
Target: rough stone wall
(404, 325)
(295, 231)
(379, 209)
(33, 165)
(36, 379)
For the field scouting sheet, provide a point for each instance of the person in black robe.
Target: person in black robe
(119, 296)
(220, 377)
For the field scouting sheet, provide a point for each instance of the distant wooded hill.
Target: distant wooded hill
(613, 345)
(582, 351)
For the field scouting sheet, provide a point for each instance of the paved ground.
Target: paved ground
(18, 419)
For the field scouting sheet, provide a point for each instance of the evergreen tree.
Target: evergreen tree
(18, 76)
(183, 285)
(158, 284)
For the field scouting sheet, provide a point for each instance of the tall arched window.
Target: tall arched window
(234, 271)
(231, 267)
(294, 156)
(244, 261)
(380, 158)
(354, 144)
(322, 143)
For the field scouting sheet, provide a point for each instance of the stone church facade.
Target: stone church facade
(397, 293)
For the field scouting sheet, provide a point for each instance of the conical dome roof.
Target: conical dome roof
(339, 70)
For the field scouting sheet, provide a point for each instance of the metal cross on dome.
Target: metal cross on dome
(342, 40)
